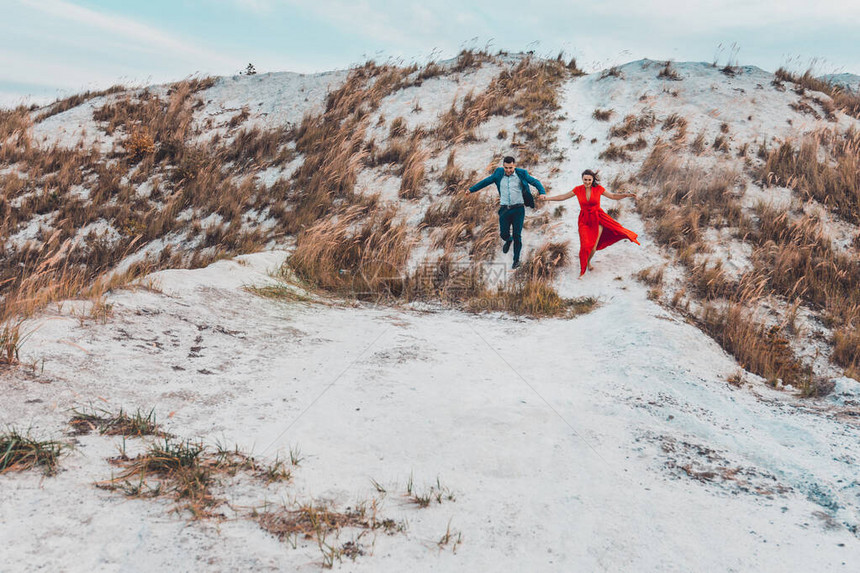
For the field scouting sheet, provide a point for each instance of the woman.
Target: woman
(597, 230)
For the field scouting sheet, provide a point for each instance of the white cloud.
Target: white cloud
(137, 34)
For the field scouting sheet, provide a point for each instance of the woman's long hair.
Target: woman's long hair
(594, 174)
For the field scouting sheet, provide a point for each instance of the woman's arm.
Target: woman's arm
(567, 195)
(618, 196)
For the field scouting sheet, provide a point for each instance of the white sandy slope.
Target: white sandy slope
(561, 439)
(610, 442)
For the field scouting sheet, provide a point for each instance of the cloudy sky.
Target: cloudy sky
(53, 48)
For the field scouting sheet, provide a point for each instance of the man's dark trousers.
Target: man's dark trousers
(512, 216)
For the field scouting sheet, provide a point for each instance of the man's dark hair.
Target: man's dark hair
(509, 159)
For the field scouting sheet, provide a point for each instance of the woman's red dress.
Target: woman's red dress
(591, 216)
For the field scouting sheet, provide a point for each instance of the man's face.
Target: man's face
(509, 168)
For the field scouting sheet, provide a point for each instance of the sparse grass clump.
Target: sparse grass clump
(603, 114)
(633, 124)
(613, 72)
(413, 178)
(667, 72)
(120, 424)
(464, 220)
(436, 492)
(615, 153)
(319, 523)
(846, 350)
(19, 452)
(187, 471)
(471, 59)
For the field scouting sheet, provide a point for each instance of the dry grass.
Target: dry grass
(138, 424)
(530, 91)
(844, 100)
(63, 264)
(794, 258)
(334, 148)
(464, 220)
(319, 523)
(449, 281)
(360, 252)
(603, 114)
(413, 178)
(615, 153)
(187, 471)
(653, 277)
(675, 121)
(613, 72)
(683, 203)
(846, 349)
(19, 452)
(667, 72)
(833, 180)
(633, 124)
(688, 200)
(758, 348)
(68, 103)
(452, 176)
(10, 342)
(471, 59)
(546, 261)
(529, 292)
(533, 298)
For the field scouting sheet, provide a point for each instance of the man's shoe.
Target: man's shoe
(507, 246)
(516, 265)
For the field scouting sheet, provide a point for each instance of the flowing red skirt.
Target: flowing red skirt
(589, 220)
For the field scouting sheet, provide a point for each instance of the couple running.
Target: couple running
(597, 230)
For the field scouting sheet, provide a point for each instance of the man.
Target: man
(512, 183)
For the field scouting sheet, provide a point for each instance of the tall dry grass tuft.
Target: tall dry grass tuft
(825, 167)
(760, 349)
(13, 122)
(452, 176)
(633, 124)
(846, 349)
(413, 177)
(464, 220)
(795, 258)
(447, 280)
(471, 59)
(360, 252)
(546, 261)
(845, 100)
(15, 139)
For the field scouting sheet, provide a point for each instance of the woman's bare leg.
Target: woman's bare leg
(594, 250)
